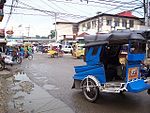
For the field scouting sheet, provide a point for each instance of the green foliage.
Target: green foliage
(53, 33)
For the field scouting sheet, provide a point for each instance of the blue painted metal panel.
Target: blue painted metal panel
(137, 86)
(136, 57)
(93, 59)
(79, 69)
(98, 72)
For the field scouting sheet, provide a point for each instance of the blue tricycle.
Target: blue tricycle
(113, 65)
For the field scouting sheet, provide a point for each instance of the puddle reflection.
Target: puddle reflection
(18, 94)
(13, 91)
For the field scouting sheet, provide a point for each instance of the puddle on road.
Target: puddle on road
(21, 87)
(50, 87)
(40, 78)
(18, 94)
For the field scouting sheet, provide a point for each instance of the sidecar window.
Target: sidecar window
(137, 47)
(85, 52)
(95, 50)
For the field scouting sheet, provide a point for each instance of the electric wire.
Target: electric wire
(58, 7)
(10, 13)
(50, 12)
(60, 13)
(49, 5)
(116, 6)
(71, 7)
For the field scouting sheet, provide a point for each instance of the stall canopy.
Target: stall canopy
(13, 43)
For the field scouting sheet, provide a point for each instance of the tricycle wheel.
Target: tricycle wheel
(2, 65)
(30, 57)
(19, 60)
(148, 91)
(81, 57)
(90, 90)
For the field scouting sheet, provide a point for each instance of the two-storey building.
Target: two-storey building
(101, 23)
(104, 23)
(66, 31)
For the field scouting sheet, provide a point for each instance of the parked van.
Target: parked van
(67, 48)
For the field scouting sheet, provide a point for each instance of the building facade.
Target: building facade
(66, 30)
(101, 23)
(105, 23)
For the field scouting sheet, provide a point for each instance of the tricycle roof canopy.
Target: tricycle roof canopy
(112, 38)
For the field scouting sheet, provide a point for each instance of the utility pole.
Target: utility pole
(28, 30)
(146, 11)
(55, 26)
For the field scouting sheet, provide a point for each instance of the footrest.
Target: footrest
(137, 86)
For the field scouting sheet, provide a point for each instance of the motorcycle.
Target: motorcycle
(28, 55)
(2, 63)
(8, 59)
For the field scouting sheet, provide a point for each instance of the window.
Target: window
(131, 23)
(83, 26)
(94, 24)
(108, 22)
(95, 50)
(124, 23)
(88, 25)
(137, 47)
(117, 22)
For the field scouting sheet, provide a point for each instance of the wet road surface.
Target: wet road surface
(55, 76)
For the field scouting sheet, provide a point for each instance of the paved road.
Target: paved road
(55, 75)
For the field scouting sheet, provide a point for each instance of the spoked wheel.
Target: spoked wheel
(55, 55)
(19, 60)
(81, 57)
(52, 56)
(30, 57)
(90, 90)
(2, 65)
(148, 91)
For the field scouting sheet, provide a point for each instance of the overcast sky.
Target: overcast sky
(42, 16)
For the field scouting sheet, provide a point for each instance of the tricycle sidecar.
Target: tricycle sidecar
(105, 72)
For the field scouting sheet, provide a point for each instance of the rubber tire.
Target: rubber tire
(148, 91)
(19, 60)
(81, 57)
(2, 65)
(96, 89)
(55, 55)
(30, 57)
(52, 56)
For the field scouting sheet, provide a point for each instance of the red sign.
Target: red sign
(10, 32)
(133, 73)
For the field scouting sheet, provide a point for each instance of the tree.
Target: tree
(53, 33)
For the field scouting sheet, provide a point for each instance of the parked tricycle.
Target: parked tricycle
(105, 71)
(78, 51)
(55, 52)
